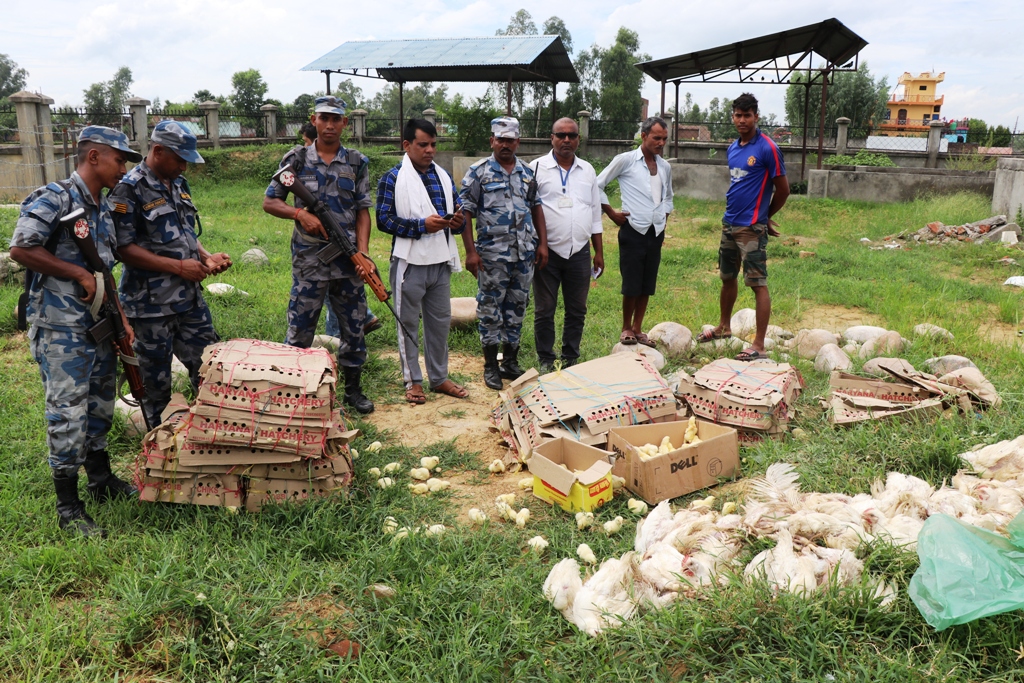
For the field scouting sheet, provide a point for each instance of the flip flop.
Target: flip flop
(372, 325)
(642, 338)
(415, 396)
(748, 355)
(627, 338)
(712, 335)
(450, 388)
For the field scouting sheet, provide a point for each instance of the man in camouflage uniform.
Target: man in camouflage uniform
(501, 193)
(78, 374)
(158, 239)
(340, 177)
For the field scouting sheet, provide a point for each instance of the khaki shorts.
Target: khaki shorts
(744, 245)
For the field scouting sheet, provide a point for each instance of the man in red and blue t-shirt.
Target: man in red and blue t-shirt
(758, 190)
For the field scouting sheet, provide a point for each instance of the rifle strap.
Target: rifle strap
(97, 300)
(128, 360)
(51, 246)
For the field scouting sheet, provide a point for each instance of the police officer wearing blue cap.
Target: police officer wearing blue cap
(158, 232)
(78, 375)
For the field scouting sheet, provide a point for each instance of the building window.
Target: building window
(936, 109)
(888, 114)
(922, 87)
(935, 117)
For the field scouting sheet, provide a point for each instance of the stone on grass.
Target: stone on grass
(8, 266)
(830, 357)
(777, 333)
(946, 364)
(807, 343)
(851, 348)
(463, 311)
(888, 344)
(743, 322)
(255, 257)
(673, 340)
(874, 366)
(135, 423)
(862, 333)
(929, 330)
(653, 355)
(224, 289)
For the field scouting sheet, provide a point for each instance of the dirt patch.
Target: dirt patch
(472, 490)
(832, 318)
(321, 619)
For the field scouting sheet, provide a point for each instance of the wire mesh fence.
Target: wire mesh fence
(242, 124)
(614, 130)
(289, 126)
(383, 127)
(80, 116)
(881, 141)
(193, 119)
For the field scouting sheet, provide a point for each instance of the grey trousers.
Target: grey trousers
(423, 291)
(573, 276)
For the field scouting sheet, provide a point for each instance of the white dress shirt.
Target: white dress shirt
(635, 189)
(571, 203)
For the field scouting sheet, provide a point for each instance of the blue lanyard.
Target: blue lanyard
(564, 178)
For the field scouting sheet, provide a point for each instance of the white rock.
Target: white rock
(769, 343)
(224, 289)
(744, 321)
(929, 330)
(135, 422)
(873, 366)
(946, 364)
(830, 357)
(865, 240)
(777, 333)
(807, 343)
(862, 333)
(326, 341)
(673, 340)
(888, 344)
(8, 266)
(463, 311)
(255, 257)
(851, 348)
(653, 355)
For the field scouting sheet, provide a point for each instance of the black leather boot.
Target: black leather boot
(71, 514)
(354, 395)
(104, 484)
(492, 373)
(510, 361)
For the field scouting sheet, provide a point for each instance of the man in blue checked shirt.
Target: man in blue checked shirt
(418, 205)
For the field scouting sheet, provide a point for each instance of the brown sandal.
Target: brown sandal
(415, 395)
(641, 338)
(450, 388)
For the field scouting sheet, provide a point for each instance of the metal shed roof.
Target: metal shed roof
(498, 58)
(830, 39)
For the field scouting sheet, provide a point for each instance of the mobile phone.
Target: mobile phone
(448, 216)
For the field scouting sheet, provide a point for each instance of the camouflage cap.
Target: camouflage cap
(178, 139)
(330, 105)
(505, 127)
(110, 138)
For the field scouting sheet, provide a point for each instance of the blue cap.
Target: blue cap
(505, 127)
(330, 105)
(178, 139)
(110, 138)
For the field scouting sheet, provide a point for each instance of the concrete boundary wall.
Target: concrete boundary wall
(891, 185)
(1008, 193)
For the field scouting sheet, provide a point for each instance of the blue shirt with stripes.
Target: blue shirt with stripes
(752, 166)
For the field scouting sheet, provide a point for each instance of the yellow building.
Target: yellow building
(913, 105)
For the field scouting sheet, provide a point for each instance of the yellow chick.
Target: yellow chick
(436, 485)
(728, 508)
(385, 482)
(637, 507)
(584, 519)
(537, 544)
(477, 516)
(374, 447)
(505, 510)
(526, 483)
(497, 467)
(522, 517)
(392, 467)
(586, 554)
(691, 430)
(419, 489)
(374, 472)
(382, 590)
(613, 526)
(435, 530)
(506, 498)
(419, 473)
(430, 462)
(703, 504)
(390, 525)
(617, 482)
(665, 446)
(354, 453)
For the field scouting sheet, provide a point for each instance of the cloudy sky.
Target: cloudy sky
(175, 49)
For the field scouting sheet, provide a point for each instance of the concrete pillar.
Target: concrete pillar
(842, 131)
(212, 111)
(358, 119)
(270, 121)
(430, 115)
(934, 138)
(140, 121)
(28, 135)
(584, 124)
(671, 130)
(46, 141)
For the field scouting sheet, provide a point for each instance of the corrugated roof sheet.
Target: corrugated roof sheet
(525, 58)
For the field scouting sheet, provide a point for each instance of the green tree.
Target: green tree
(470, 122)
(383, 108)
(1000, 136)
(621, 83)
(857, 95)
(977, 131)
(521, 24)
(109, 96)
(248, 90)
(542, 91)
(585, 95)
(12, 77)
(203, 95)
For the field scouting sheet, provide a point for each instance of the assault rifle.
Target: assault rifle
(111, 323)
(338, 243)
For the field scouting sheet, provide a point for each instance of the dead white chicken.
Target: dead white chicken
(385, 482)
(390, 525)
(562, 585)
(637, 507)
(1001, 461)
(537, 544)
(430, 461)
(777, 486)
(374, 447)
(525, 484)
(604, 600)
(435, 530)
(950, 501)
(374, 472)
(476, 516)
(654, 527)
(436, 485)
(662, 567)
(419, 489)
(522, 517)
(715, 553)
(900, 530)
(586, 554)
(496, 466)
(392, 467)
(783, 568)
(836, 566)
(584, 519)
(419, 473)
(612, 526)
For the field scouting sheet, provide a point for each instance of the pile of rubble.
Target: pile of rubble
(263, 429)
(993, 229)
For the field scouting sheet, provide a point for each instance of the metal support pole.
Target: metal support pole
(328, 74)
(676, 120)
(662, 99)
(554, 103)
(508, 96)
(807, 110)
(821, 123)
(64, 143)
(401, 111)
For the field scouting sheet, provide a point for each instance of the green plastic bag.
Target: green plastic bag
(967, 573)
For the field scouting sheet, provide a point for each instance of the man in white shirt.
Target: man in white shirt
(645, 186)
(567, 187)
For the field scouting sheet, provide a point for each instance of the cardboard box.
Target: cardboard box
(268, 378)
(303, 470)
(309, 437)
(857, 399)
(263, 491)
(756, 395)
(196, 489)
(682, 471)
(585, 483)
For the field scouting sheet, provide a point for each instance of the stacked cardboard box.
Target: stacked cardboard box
(263, 428)
(756, 398)
(581, 403)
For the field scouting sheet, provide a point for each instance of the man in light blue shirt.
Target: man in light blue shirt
(645, 186)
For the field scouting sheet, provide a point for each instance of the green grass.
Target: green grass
(181, 593)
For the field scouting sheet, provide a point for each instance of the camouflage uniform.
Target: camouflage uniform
(344, 185)
(78, 376)
(168, 312)
(506, 241)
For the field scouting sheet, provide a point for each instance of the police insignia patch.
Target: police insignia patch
(287, 178)
(81, 228)
(751, 160)
(153, 204)
(120, 208)
(186, 195)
